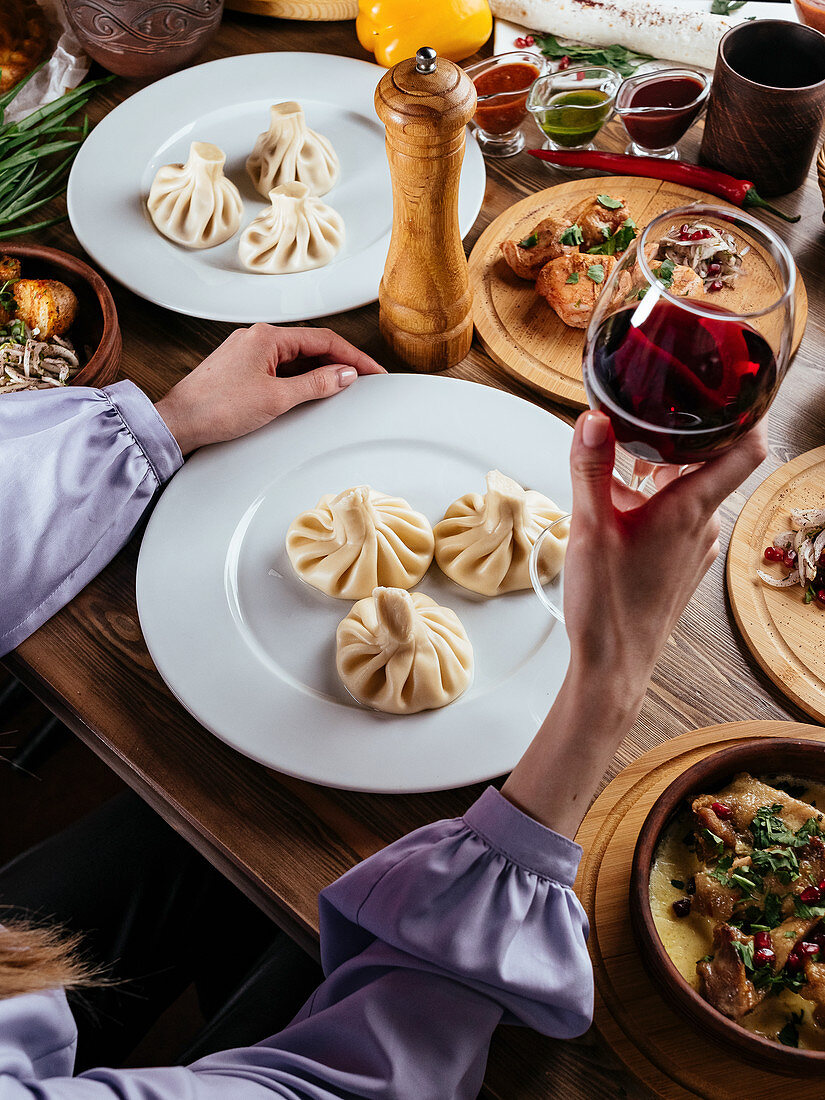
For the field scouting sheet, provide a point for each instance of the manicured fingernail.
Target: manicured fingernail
(594, 431)
(346, 376)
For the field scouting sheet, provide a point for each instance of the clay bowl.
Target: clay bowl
(820, 169)
(96, 332)
(766, 757)
(136, 39)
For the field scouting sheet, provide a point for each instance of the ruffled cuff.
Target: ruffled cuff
(147, 428)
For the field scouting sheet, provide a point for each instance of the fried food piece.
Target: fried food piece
(725, 982)
(687, 283)
(24, 39)
(574, 301)
(47, 305)
(9, 273)
(597, 222)
(528, 262)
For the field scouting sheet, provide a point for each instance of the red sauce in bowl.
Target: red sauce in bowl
(506, 111)
(679, 98)
(811, 12)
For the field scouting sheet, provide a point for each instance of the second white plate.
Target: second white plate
(227, 102)
(249, 649)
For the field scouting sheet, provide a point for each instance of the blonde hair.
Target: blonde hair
(34, 958)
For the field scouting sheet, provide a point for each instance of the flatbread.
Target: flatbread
(647, 26)
(24, 39)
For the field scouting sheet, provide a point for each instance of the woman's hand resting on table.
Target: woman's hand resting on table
(255, 375)
(632, 565)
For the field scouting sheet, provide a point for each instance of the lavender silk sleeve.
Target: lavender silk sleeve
(427, 946)
(79, 467)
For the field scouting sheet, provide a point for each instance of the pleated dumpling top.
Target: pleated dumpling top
(360, 539)
(194, 204)
(289, 152)
(401, 652)
(296, 232)
(484, 542)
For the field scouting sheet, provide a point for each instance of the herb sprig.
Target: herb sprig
(725, 7)
(29, 176)
(619, 58)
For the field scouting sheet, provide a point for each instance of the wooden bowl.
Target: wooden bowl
(766, 757)
(96, 332)
(820, 167)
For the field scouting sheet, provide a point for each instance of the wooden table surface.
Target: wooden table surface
(282, 840)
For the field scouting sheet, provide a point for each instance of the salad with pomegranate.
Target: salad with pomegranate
(800, 553)
(712, 254)
(747, 890)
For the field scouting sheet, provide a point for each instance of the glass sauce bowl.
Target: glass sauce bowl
(571, 106)
(659, 108)
(503, 84)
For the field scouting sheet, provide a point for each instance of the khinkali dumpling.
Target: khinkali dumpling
(289, 152)
(484, 542)
(357, 540)
(296, 233)
(401, 652)
(194, 203)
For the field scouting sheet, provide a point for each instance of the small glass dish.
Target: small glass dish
(502, 84)
(571, 106)
(658, 108)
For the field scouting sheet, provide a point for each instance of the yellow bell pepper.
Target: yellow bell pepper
(396, 29)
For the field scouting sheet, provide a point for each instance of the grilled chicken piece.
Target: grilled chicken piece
(706, 818)
(815, 990)
(686, 283)
(783, 942)
(724, 979)
(528, 262)
(597, 222)
(47, 305)
(713, 899)
(743, 797)
(574, 302)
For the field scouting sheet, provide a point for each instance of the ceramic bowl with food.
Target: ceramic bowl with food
(94, 332)
(727, 900)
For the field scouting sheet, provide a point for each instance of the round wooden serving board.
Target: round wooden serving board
(658, 1046)
(518, 328)
(309, 10)
(785, 635)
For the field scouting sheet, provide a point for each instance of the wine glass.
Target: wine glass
(683, 376)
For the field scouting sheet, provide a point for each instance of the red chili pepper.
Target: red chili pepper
(739, 192)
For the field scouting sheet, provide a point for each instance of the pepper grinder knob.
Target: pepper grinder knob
(425, 103)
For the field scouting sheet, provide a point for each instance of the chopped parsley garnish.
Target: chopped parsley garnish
(783, 864)
(716, 842)
(530, 242)
(618, 58)
(664, 273)
(768, 829)
(7, 301)
(745, 952)
(608, 202)
(617, 242)
(596, 273)
(706, 959)
(572, 236)
(808, 912)
(573, 277)
(773, 910)
(789, 1035)
(725, 7)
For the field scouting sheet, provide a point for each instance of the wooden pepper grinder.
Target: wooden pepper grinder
(426, 303)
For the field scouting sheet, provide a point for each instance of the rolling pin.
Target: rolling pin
(425, 298)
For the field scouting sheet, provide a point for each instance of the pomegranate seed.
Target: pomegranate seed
(681, 907)
(706, 235)
(810, 894)
(820, 942)
(521, 43)
(721, 810)
(820, 596)
(762, 939)
(714, 269)
(809, 949)
(796, 961)
(764, 957)
(821, 886)
(715, 285)
(684, 230)
(789, 559)
(821, 558)
(564, 63)
(770, 553)
(697, 235)
(529, 40)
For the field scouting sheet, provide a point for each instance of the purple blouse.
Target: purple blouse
(426, 946)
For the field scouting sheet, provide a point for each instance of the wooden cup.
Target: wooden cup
(767, 104)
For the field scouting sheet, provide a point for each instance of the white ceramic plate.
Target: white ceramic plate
(249, 649)
(227, 102)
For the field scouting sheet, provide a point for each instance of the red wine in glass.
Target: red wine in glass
(679, 387)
